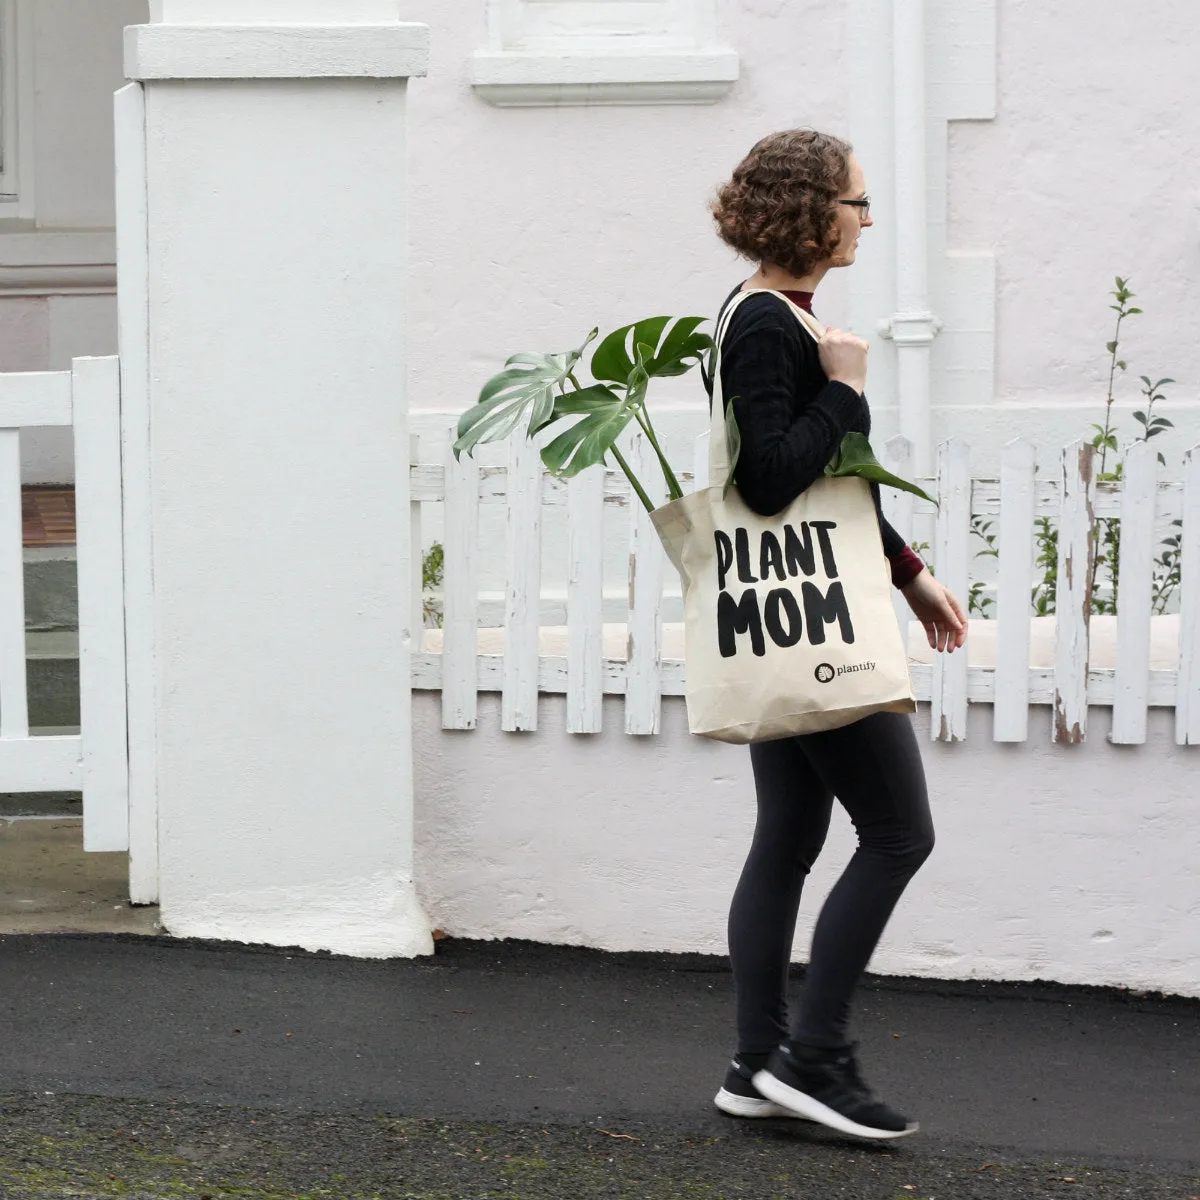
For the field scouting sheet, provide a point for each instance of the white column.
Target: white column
(912, 327)
(277, 515)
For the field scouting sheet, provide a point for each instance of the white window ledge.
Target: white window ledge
(516, 79)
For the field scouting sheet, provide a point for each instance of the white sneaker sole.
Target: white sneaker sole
(805, 1106)
(733, 1105)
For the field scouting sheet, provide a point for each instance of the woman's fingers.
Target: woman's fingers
(959, 617)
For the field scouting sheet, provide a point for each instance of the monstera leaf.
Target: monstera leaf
(855, 457)
(669, 351)
(588, 441)
(524, 392)
(604, 416)
(537, 390)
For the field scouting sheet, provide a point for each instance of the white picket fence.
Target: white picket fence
(95, 762)
(522, 660)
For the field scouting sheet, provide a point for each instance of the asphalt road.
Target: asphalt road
(493, 1053)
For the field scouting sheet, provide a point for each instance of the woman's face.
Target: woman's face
(852, 218)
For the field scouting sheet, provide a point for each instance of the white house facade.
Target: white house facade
(330, 220)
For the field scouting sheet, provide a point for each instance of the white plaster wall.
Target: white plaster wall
(1089, 171)
(529, 226)
(1073, 864)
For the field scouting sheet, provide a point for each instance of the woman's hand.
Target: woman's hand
(938, 610)
(844, 358)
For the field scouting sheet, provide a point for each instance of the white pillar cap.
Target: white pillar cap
(274, 12)
(169, 51)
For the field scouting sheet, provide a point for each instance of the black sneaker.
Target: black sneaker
(739, 1097)
(826, 1086)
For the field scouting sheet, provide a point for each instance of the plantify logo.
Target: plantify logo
(824, 673)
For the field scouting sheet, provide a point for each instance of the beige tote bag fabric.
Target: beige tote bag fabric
(789, 620)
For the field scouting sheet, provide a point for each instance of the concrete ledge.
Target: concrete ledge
(52, 665)
(57, 262)
(276, 52)
(51, 885)
(525, 80)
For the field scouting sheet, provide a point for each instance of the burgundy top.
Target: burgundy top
(906, 564)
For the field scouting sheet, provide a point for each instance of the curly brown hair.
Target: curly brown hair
(780, 207)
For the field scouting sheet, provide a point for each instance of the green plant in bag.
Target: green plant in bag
(539, 390)
(536, 391)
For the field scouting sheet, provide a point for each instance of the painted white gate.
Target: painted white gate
(95, 761)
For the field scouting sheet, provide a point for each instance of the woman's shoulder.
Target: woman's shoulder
(766, 313)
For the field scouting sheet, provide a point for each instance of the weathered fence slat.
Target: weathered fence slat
(1187, 697)
(460, 591)
(1134, 595)
(1073, 596)
(14, 707)
(102, 682)
(700, 462)
(1014, 571)
(949, 717)
(523, 591)
(585, 603)
(643, 684)
(898, 509)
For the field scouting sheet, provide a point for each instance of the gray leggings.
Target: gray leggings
(874, 768)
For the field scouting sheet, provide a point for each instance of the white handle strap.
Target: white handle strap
(718, 445)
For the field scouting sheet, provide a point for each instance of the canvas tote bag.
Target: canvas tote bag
(789, 620)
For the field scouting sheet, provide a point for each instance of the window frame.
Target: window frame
(16, 109)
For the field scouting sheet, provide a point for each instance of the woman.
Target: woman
(797, 206)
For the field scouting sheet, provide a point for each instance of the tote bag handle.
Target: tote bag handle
(719, 466)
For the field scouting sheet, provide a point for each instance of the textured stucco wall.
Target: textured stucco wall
(1074, 864)
(281, 647)
(530, 225)
(1088, 172)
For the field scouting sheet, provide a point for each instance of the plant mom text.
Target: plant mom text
(775, 612)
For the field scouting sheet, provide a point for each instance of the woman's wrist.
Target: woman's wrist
(906, 568)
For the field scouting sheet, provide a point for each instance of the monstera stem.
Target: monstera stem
(633, 482)
(674, 491)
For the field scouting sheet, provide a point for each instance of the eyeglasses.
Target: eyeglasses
(863, 206)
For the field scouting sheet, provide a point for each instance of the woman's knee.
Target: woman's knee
(905, 846)
(921, 847)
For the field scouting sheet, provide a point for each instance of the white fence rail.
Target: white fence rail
(1069, 661)
(95, 762)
